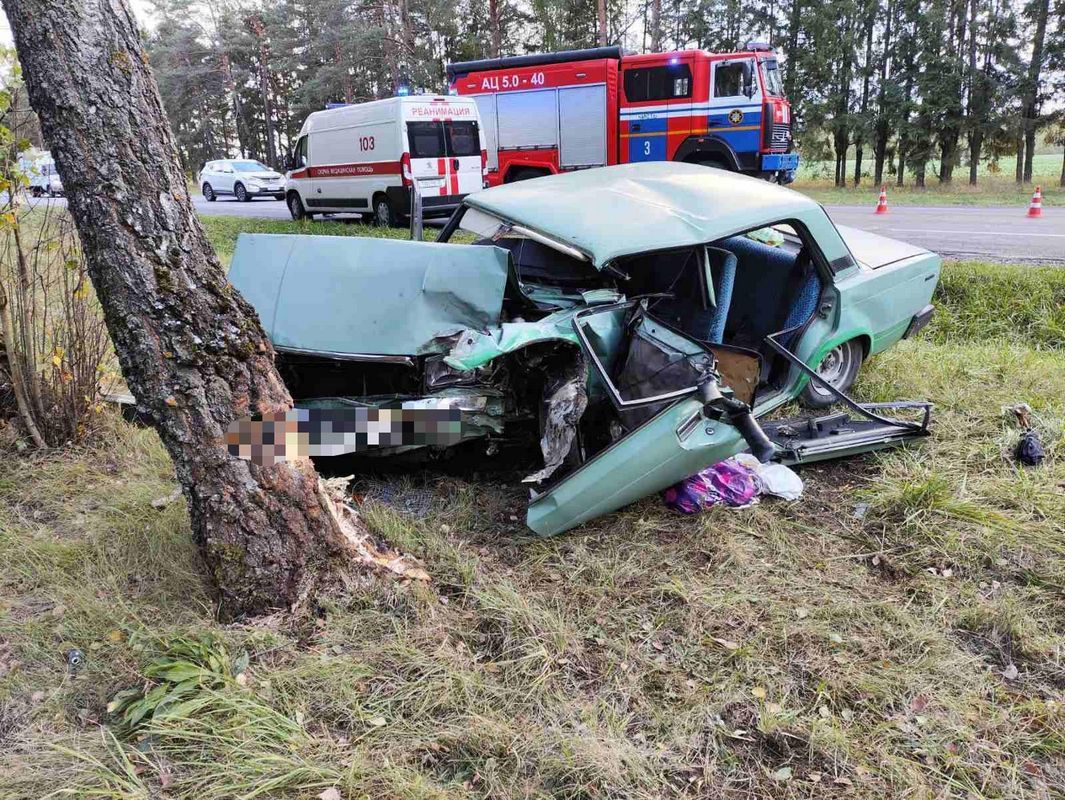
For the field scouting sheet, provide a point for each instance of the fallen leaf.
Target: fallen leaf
(782, 774)
(814, 777)
(802, 613)
(918, 704)
(115, 636)
(759, 692)
(332, 793)
(842, 781)
(376, 722)
(1011, 672)
(773, 708)
(58, 611)
(835, 637)
(37, 697)
(728, 645)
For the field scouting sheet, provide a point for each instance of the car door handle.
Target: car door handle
(455, 164)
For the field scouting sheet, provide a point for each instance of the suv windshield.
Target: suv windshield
(250, 166)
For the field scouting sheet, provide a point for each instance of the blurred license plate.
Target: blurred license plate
(432, 183)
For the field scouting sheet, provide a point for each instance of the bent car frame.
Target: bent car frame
(636, 321)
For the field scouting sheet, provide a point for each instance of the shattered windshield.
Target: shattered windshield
(537, 258)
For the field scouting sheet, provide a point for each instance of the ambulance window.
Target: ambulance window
(301, 152)
(462, 139)
(734, 80)
(658, 83)
(426, 139)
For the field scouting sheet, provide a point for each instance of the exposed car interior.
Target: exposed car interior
(733, 292)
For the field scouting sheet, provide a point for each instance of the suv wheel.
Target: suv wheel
(241, 193)
(839, 367)
(295, 207)
(383, 214)
(208, 193)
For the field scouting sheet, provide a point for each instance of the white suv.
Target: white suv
(242, 178)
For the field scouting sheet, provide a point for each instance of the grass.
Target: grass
(781, 651)
(994, 188)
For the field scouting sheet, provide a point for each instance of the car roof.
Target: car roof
(616, 211)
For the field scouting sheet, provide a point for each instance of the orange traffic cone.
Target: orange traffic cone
(1035, 208)
(881, 204)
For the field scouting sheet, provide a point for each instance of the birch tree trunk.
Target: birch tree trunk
(191, 348)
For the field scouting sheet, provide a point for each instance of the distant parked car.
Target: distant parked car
(243, 178)
(43, 178)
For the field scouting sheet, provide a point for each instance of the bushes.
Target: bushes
(56, 348)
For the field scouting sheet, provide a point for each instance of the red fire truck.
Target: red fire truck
(554, 112)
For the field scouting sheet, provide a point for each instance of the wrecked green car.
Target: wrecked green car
(635, 321)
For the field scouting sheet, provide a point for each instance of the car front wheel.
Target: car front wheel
(208, 193)
(839, 368)
(241, 193)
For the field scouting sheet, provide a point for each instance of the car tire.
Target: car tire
(296, 207)
(208, 193)
(839, 367)
(384, 216)
(241, 193)
(36, 191)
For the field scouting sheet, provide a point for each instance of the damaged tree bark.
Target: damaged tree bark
(191, 349)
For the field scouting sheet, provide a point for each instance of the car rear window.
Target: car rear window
(462, 139)
(426, 139)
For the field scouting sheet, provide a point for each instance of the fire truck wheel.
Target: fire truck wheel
(383, 214)
(526, 174)
(295, 207)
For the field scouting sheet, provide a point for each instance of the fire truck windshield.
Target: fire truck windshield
(771, 72)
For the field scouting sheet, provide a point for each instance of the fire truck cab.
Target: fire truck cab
(556, 112)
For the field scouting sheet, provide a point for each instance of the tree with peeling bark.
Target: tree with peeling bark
(191, 348)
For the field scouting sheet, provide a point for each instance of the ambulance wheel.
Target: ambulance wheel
(295, 207)
(208, 193)
(839, 367)
(241, 193)
(384, 216)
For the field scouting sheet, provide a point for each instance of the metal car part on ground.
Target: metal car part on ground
(633, 320)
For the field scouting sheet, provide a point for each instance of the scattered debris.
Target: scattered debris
(735, 482)
(75, 659)
(1030, 450)
(727, 482)
(358, 538)
(860, 510)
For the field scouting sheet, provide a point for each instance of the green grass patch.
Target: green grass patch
(977, 301)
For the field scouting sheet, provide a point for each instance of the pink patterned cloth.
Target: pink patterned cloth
(726, 482)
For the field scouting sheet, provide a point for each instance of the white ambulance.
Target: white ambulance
(364, 158)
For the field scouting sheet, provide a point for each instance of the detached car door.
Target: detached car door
(651, 375)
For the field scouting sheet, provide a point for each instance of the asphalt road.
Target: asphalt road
(997, 234)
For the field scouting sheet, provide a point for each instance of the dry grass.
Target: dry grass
(788, 650)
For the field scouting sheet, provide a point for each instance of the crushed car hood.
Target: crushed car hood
(343, 295)
(874, 251)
